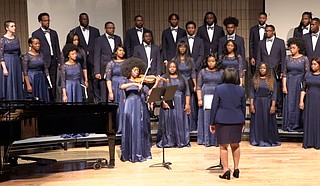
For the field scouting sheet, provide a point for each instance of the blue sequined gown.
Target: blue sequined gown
(294, 69)
(71, 79)
(263, 125)
(311, 136)
(34, 67)
(114, 74)
(206, 82)
(176, 123)
(11, 86)
(135, 134)
(189, 73)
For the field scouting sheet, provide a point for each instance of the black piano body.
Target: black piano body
(57, 119)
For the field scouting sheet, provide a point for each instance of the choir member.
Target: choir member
(304, 26)
(209, 77)
(11, 72)
(295, 68)
(311, 40)
(309, 102)
(263, 95)
(175, 121)
(210, 33)
(186, 68)
(227, 119)
(49, 48)
(35, 71)
(114, 78)
(135, 133)
(230, 58)
(71, 75)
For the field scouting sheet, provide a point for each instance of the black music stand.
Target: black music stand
(163, 94)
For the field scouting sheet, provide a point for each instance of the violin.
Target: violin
(148, 79)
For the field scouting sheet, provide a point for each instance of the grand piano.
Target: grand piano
(56, 119)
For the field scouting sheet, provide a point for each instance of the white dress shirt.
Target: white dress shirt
(262, 30)
(147, 48)
(174, 32)
(47, 35)
(269, 43)
(111, 41)
(140, 34)
(210, 30)
(86, 33)
(314, 37)
(191, 41)
(306, 29)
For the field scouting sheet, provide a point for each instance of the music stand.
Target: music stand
(163, 94)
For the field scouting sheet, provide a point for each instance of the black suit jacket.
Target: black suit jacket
(254, 40)
(45, 48)
(277, 54)
(309, 50)
(240, 48)
(197, 52)
(89, 48)
(298, 32)
(103, 53)
(213, 45)
(131, 40)
(169, 47)
(140, 52)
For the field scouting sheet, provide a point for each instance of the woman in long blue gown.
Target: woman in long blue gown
(175, 120)
(263, 96)
(35, 71)
(11, 69)
(186, 67)
(229, 58)
(309, 101)
(135, 134)
(208, 78)
(71, 76)
(114, 78)
(295, 67)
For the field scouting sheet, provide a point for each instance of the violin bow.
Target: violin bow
(145, 73)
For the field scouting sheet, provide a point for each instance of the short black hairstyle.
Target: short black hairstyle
(129, 64)
(230, 76)
(67, 49)
(214, 17)
(135, 17)
(297, 41)
(308, 14)
(315, 19)
(6, 24)
(263, 13)
(231, 20)
(30, 40)
(108, 22)
(83, 14)
(191, 23)
(172, 15)
(41, 15)
(147, 32)
(271, 26)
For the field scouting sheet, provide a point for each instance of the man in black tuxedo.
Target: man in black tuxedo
(231, 23)
(272, 51)
(104, 47)
(210, 33)
(134, 36)
(149, 53)
(312, 41)
(87, 35)
(304, 26)
(170, 37)
(50, 49)
(196, 46)
(257, 33)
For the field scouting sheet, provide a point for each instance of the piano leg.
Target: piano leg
(111, 140)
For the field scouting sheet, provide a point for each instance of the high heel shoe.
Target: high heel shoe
(236, 173)
(226, 175)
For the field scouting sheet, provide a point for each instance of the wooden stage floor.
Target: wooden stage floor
(288, 164)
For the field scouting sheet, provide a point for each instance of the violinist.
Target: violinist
(136, 134)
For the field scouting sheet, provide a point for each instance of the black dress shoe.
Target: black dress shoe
(226, 175)
(236, 173)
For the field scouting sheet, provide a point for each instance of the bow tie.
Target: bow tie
(174, 29)
(269, 40)
(110, 37)
(139, 29)
(230, 37)
(190, 37)
(262, 27)
(305, 27)
(85, 28)
(46, 31)
(147, 45)
(314, 34)
(210, 28)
